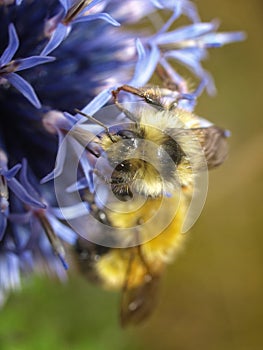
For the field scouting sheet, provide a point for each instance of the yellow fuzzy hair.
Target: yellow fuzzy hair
(113, 267)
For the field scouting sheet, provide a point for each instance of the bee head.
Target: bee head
(144, 161)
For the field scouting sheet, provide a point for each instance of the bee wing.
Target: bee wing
(138, 303)
(214, 144)
(212, 140)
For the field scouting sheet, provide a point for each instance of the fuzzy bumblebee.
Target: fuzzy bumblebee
(155, 156)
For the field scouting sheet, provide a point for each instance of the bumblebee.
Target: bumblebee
(155, 156)
(158, 147)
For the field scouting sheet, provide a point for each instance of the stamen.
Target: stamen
(75, 10)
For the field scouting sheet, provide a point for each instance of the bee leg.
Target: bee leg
(167, 81)
(94, 120)
(147, 94)
(128, 114)
(127, 88)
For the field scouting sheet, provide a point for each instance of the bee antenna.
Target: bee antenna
(94, 120)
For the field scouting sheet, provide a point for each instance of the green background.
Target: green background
(211, 297)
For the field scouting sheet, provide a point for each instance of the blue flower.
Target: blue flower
(93, 53)
(9, 66)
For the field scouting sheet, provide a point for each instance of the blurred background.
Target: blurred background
(211, 297)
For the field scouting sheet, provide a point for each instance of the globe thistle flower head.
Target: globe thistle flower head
(92, 53)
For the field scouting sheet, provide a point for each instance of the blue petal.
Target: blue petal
(66, 4)
(12, 46)
(191, 11)
(87, 169)
(79, 185)
(73, 119)
(9, 272)
(3, 223)
(104, 16)
(219, 39)
(60, 33)
(176, 77)
(19, 2)
(157, 4)
(192, 96)
(92, 4)
(24, 181)
(188, 32)
(140, 49)
(98, 102)
(33, 61)
(145, 66)
(170, 21)
(188, 60)
(20, 218)
(60, 160)
(24, 87)
(179, 6)
(23, 195)
(61, 230)
(71, 212)
(12, 172)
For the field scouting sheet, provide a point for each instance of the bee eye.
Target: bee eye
(126, 134)
(124, 166)
(174, 150)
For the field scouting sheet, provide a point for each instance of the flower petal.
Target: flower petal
(146, 64)
(97, 103)
(61, 230)
(187, 32)
(179, 6)
(20, 218)
(92, 4)
(12, 46)
(78, 185)
(65, 4)
(33, 61)
(219, 39)
(24, 181)
(59, 34)
(71, 212)
(60, 160)
(24, 87)
(9, 272)
(3, 223)
(104, 16)
(12, 172)
(23, 195)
